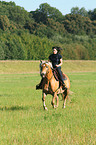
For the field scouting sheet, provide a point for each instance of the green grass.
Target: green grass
(22, 118)
(17, 67)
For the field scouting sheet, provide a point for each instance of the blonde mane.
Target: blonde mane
(47, 62)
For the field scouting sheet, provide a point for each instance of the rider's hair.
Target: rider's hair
(57, 48)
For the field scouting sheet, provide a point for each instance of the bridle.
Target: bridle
(47, 73)
(50, 78)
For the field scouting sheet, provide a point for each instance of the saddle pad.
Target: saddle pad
(55, 73)
(64, 77)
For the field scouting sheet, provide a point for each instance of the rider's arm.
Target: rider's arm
(59, 63)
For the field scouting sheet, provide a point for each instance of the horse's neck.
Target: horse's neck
(50, 74)
(54, 84)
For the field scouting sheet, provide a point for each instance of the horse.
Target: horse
(51, 86)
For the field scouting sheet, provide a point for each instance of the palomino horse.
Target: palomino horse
(51, 85)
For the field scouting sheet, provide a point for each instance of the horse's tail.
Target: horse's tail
(70, 92)
(66, 81)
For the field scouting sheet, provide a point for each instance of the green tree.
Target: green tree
(2, 47)
(75, 10)
(82, 11)
(45, 11)
(77, 24)
(18, 15)
(4, 22)
(92, 14)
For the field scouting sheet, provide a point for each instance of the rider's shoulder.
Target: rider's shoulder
(51, 55)
(60, 56)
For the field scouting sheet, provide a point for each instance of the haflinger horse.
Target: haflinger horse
(51, 86)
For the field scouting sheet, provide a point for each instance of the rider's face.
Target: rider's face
(55, 51)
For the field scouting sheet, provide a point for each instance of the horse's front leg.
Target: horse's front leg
(53, 101)
(43, 99)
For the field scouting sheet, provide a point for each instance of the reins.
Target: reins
(51, 78)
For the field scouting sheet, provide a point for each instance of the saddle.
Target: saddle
(55, 73)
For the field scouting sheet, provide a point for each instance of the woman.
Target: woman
(56, 60)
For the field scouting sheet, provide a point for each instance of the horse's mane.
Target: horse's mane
(46, 62)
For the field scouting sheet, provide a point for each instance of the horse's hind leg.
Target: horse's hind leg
(57, 100)
(65, 97)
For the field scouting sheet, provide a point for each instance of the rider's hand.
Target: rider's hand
(57, 65)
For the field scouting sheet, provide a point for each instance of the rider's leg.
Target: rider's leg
(39, 86)
(42, 84)
(61, 77)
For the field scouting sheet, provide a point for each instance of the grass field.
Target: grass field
(22, 118)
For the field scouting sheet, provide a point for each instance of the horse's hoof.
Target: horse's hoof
(45, 108)
(55, 106)
(63, 107)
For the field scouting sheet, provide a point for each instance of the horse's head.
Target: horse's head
(44, 68)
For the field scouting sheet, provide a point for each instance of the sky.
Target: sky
(64, 6)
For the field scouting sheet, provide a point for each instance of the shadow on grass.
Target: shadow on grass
(13, 108)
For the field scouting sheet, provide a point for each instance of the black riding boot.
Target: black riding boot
(63, 86)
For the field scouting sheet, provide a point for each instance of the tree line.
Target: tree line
(31, 35)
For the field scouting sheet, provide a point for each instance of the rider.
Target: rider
(56, 60)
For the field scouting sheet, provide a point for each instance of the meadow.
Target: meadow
(22, 118)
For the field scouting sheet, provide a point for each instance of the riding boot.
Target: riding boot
(39, 86)
(63, 85)
(60, 75)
